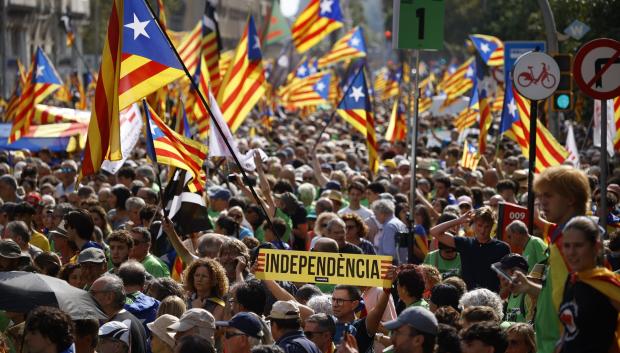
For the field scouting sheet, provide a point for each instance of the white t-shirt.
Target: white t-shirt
(363, 212)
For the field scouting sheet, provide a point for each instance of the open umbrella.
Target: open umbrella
(24, 291)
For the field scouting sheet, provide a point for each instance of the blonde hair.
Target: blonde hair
(172, 305)
(568, 181)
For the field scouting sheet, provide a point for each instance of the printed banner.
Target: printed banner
(321, 267)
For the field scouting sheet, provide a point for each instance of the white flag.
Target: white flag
(571, 146)
(611, 126)
(131, 129)
(217, 146)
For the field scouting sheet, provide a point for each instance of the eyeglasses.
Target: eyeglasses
(229, 335)
(340, 301)
(311, 334)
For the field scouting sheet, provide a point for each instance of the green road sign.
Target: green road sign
(418, 24)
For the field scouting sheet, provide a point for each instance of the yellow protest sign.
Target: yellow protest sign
(322, 267)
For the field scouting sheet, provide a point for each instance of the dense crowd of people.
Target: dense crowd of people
(457, 285)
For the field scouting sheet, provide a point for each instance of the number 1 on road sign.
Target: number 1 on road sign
(418, 24)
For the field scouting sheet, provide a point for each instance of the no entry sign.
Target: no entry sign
(596, 68)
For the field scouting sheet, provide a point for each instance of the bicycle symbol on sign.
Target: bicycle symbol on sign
(545, 78)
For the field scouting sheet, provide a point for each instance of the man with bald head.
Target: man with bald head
(109, 292)
(326, 245)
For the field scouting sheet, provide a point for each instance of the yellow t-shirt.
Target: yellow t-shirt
(40, 241)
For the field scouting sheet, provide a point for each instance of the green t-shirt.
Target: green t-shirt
(516, 309)
(535, 251)
(546, 321)
(213, 215)
(433, 258)
(156, 267)
(289, 224)
(422, 303)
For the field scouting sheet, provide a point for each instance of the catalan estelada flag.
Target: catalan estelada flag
(491, 49)
(470, 157)
(20, 83)
(315, 22)
(397, 127)
(448, 83)
(516, 125)
(355, 108)
(243, 84)
(149, 62)
(461, 81)
(165, 146)
(466, 118)
(351, 46)
(41, 82)
(313, 90)
(211, 46)
(189, 48)
(200, 114)
(392, 87)
(136, 61)
(486, 119)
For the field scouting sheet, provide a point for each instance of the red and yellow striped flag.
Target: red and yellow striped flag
(466, 118)
(243, 84)
(104, 129)
(486, 119)
(355, 108)
(397, 127)
(315, 22)
(41, 82)
(617, 123)
(200, 113)
(471, 157)
(211, 45)
(549, 152)
(130, 70)
(351, 46)
(189, 48)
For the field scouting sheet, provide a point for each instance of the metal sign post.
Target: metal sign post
(596, 70)
(415, 125)
(417, 24)
(535, 76)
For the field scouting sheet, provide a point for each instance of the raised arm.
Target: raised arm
(281, 294)
(270, 205)
(318, 174)
(420, 196)
(439, 231)
(374, 316)
(175, 240)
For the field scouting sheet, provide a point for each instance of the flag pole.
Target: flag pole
(532, 164)
(603, 164)
(415, 126)
(216, 123)
(158, 171)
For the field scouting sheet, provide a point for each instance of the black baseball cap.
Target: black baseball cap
(511, 261)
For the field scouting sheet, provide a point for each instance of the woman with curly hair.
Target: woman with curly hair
(356, 232)
(206, 283)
